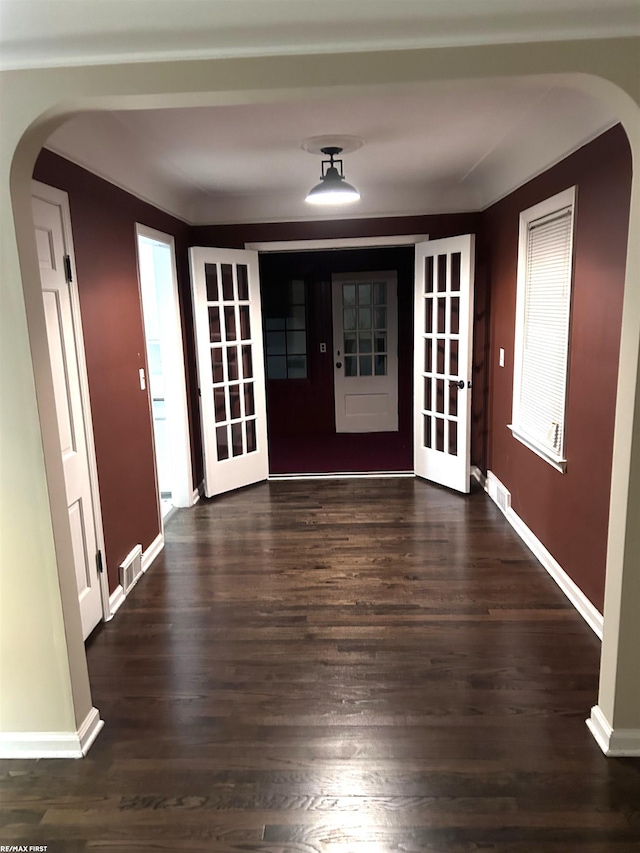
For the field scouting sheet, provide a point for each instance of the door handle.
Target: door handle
(338, 364)
(460, 383)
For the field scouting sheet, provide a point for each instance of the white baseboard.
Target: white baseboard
(576, 596)
(197, 494)
(615, 743)
(344, 475)
(116, 600)
(52, 744)
(152, 551)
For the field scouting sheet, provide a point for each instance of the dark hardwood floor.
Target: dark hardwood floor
(356, 666)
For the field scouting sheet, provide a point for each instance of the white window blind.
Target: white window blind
(542, 327)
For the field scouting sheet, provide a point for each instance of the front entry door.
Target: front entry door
(442, 360)
(228, 322)
(64, 336)
(365, 344)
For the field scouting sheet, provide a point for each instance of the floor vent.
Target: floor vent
(131, 569)
(498, 492)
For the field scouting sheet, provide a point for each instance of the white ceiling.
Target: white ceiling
(439, 148)
(432, 149)
(37, 33)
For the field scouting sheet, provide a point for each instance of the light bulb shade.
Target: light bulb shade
(332, 189)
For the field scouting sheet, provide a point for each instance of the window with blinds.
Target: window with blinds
(542, 326)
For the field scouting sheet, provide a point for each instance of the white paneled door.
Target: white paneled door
(365, 343)
(228, 322)
(64, 335)
(442, 360)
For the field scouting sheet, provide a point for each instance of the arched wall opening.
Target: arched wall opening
(47, 589)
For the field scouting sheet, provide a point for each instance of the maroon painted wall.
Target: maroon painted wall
(567, 512)
(103, 219)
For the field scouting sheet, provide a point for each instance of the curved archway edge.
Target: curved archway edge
(43, 665)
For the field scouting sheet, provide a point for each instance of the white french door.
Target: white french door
(442, 360)
(64, 337)
(228, 323)
(365, 343)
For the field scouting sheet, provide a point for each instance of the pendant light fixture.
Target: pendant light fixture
(332, 189)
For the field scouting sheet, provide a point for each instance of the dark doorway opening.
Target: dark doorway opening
(296, 299)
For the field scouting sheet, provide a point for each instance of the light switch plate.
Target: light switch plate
(143, 381)
(501, 357)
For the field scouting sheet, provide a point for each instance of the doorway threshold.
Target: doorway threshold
(343, 475)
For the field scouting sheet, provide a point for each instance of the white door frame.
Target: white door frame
(184, 495)
(61, 198)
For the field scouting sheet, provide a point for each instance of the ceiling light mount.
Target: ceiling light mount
(332, 189)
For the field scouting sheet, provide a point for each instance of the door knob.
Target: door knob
(459, 382)
(338, 364)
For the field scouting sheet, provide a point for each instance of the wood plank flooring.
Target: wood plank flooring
(356, 666)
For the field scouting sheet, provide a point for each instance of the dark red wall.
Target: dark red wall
(103, 220)
(567, 512)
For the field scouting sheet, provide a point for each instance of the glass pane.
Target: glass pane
(296, 292)
(211, 280)
(215, 334)
(365, 342)
(297, 366)
(276, 367)
(232, 363)
(251, 436)
(296, 318)
(222, 442)
(227, 282)
(442, 308)
(216, 364)
(453, 438)
(440, 435)
(428, 281)
(236, 439)
(440, 356)
(365, 365)
(364, 294)
(245, 322)
(455, 315)
(428, 405)
(426, 432)
(234, 401)
(364, 317)
(380, 293)
(428, 315)
(456, 259)
(276, 343)
(349, 319)
(440, 396)
(381, 343)
(219, 404)
(274, 323)
(230, 322)
(442, 272)
(380, 317)
(453, 399)
(350, 344)
(351, 366)
(453, 358)
(296, 343)
(428, 356)
(380, 365)
(247, 362)
(249, 402)
(348, 295)
(243, 281)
